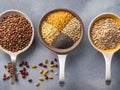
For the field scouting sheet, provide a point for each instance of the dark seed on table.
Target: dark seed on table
(24, 69)
(20, 65)
(45, 66)
(30, 80)
(55, 60)
(5, 66)
(23, 72)
(52, 62)
(46, 77)
(23, 76)
(40, 64)
(27, 66)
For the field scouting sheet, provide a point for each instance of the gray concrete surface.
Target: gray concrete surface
(85, 67)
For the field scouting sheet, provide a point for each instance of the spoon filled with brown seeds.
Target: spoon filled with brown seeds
(16, 35)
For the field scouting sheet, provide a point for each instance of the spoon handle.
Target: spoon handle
(62, 59)
(13, 59)
(108, 60)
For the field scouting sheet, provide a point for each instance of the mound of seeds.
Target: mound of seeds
(62, 41)
(61, 29)
(49, 32)
(59, 19)
(105, 34)
(72, 29)
(15, 32)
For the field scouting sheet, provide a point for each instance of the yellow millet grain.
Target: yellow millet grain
(49, 32)
(59, 19)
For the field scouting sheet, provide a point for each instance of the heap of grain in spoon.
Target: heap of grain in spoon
(105, 34)
(15, 32)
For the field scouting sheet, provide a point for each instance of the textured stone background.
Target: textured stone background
(85, 67)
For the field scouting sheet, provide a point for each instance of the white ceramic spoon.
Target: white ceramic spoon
(14, 55)
(62, 60)
(107, 54)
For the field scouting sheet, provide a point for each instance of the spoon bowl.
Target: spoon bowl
(14, 55)
(106, 53)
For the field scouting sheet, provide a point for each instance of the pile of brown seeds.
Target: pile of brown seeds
(15, 32)
(105, 34)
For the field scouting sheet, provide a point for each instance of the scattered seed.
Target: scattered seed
(5, 66)
(30, 80)
(55, 59)
(53, 65)
(24, 69)
(34, 66)
(46, 77)
(45, 66)
(37, 84)
(51, 70)
(40, 64)
(45, 72)
(21, 64)
(41, 71)
(46, 61)
(41, 79)
(50, 77)
(52, 62)
(56, 73)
